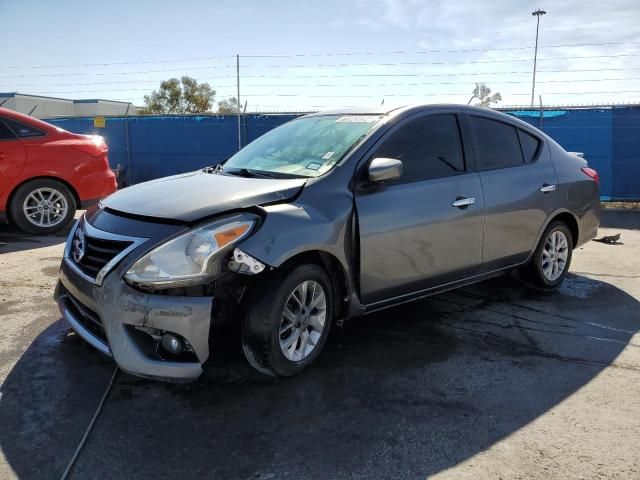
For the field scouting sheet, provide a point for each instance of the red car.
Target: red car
(46, 173)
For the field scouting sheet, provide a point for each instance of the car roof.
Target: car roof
(21, 117)
(355, 111)
(395, 110)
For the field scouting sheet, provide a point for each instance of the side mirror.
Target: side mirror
(385, 169)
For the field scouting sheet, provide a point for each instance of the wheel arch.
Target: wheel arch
(340, 279)
(565, 216)
(571, 221)
(76, 197)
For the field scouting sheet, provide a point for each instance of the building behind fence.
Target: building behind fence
(149, 147)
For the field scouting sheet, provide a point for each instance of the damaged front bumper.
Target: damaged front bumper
(125, 324)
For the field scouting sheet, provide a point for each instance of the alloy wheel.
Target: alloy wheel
(303, 320)
(45, 207)
(554, 255)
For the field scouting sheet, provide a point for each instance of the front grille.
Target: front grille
(99, 252)
(85, 316)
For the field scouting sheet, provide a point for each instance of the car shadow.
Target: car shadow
(14, 240)
(403, 393)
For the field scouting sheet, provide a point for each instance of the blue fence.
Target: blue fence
(609, 139)
(156, 146)
(151, 147)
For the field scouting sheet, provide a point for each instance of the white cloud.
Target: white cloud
(448, 32)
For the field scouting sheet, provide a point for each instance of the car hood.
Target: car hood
(191, 196)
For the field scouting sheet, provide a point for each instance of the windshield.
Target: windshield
(307, 147)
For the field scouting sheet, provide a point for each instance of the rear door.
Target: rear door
(412, 236)
(12, 157)
(519, 184)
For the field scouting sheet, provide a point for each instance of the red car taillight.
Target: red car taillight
(591, 173)
(95, 147)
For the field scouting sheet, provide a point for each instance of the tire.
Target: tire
(263, 342)
(541, 272)
(46, 218)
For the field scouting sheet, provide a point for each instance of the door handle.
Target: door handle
(546, 188)
(2, 156)
(463, 202)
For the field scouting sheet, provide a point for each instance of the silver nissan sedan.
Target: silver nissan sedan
(330, 216)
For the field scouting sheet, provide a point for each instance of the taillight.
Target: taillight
(94, 147)
(591, 173)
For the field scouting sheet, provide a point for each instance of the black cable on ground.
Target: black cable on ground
(87, 432)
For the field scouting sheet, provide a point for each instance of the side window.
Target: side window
(23, 130)
(5, 133)
(429, 147)
(529, 144)
(498, 144)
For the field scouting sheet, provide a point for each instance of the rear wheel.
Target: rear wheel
(288, 322)
(550, 262)
(42, 206)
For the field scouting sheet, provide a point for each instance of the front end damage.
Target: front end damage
(161, 333)
(129, 326)
(165, 331)
(164, 335)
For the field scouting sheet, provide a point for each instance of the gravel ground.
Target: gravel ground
(492, 381)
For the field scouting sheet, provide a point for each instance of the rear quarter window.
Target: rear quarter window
(23, 130)
(530, 146)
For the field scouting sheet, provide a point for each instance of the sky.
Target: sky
(310, 55)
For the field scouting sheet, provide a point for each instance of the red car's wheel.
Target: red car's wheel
(42, 206)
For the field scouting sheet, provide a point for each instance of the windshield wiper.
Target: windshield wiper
(249, 173)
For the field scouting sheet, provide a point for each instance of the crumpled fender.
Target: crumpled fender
(291, 229)
(322, 219)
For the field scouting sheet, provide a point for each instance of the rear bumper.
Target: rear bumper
(96, 186)
(589, 220)
(105, 316)
(590, 223)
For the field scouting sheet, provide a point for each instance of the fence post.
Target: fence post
(244, 123)
(128, 145)
(238, 102)
(541, 112)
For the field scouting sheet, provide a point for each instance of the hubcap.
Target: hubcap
(554, 255)
(302, 321)
(45, 207)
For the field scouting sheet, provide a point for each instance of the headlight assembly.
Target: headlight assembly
(191, 258)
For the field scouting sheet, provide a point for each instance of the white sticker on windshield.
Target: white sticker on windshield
(356, 119)
(327, 155)
(314, 166)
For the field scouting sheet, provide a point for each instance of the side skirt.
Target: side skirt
(420, 294)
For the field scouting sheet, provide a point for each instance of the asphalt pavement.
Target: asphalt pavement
(491, 381)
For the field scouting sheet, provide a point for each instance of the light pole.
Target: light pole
(538, 13)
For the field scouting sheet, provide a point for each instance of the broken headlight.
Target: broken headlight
(190, 258)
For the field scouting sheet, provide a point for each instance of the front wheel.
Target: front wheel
(288, 322)
(550, 262)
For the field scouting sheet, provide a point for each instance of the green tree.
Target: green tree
(483, 94)
(228, 106)
(185, 95)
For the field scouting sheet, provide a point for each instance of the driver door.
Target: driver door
(425, 229)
